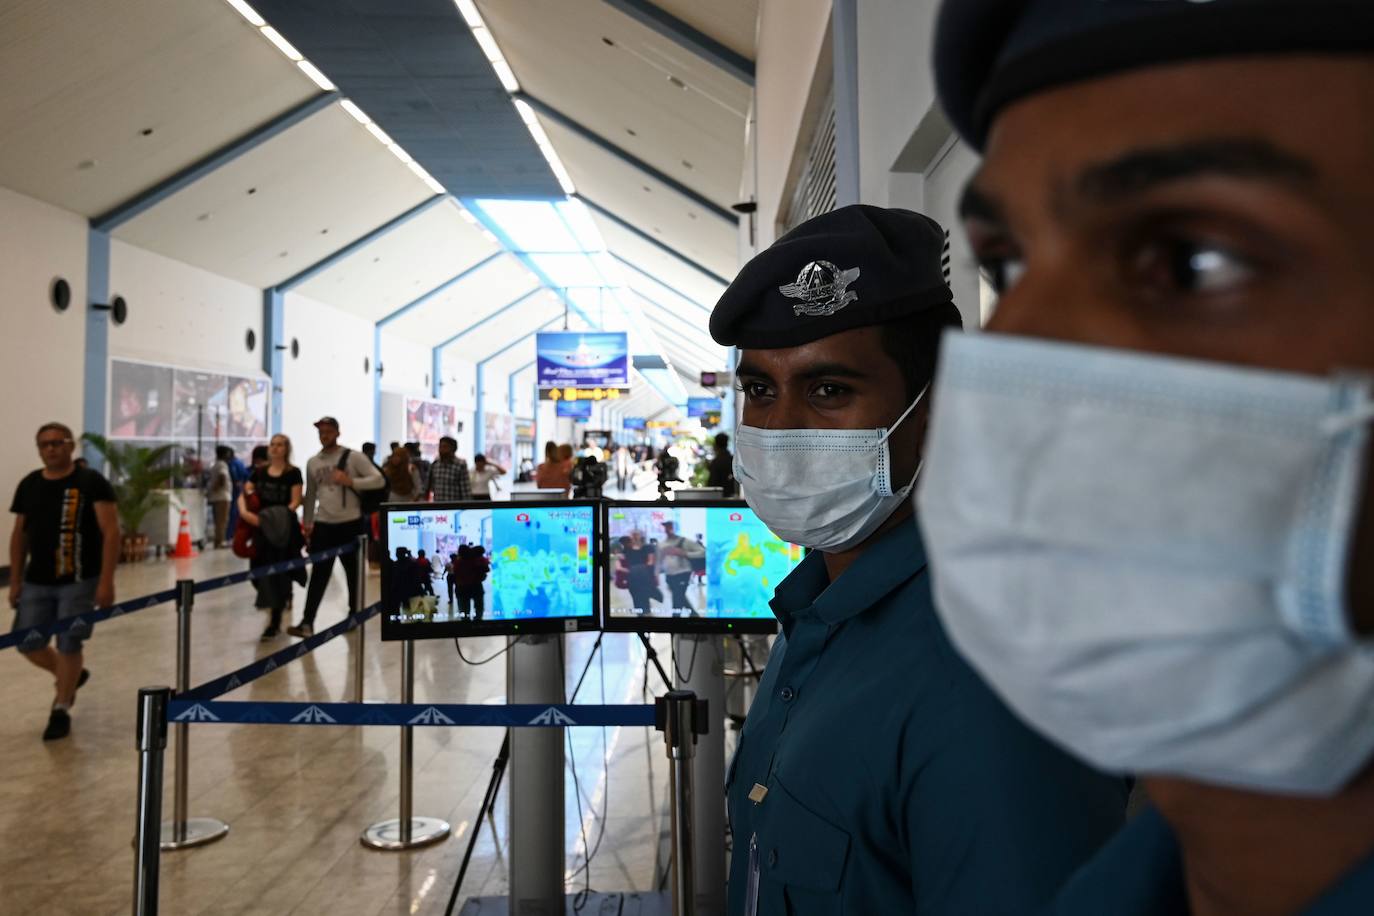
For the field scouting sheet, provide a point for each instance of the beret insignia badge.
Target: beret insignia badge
(822, 288)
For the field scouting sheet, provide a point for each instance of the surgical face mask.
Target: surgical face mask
(827, 489)
(1147, 557)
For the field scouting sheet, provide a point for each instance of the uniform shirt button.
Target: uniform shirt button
(787, 694)
(772, 858)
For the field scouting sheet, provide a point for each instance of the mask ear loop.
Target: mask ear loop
(887, 435)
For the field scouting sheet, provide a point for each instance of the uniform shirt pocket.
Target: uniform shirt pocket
(801, 851)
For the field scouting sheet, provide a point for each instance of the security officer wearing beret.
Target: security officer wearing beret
(1177, 203)
(876, 773)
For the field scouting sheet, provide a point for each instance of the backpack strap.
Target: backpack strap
(342, 465)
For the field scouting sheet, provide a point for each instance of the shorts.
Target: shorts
(44, 605)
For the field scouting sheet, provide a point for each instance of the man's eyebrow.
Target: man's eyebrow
(752, 371)
(978, 204)
(832, 370)
(1143, 170)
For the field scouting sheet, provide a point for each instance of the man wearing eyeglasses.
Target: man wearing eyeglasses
(63, 554)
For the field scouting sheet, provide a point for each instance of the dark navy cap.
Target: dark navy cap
(991, 53)
(849, 268)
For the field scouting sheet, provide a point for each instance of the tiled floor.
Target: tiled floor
(296, 799)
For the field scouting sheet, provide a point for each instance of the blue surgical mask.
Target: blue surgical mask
(1147, 556)
(827, 489)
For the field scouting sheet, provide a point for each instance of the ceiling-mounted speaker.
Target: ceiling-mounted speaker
(295, 348)
(60, 294)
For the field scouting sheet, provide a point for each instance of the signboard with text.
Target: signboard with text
(572, 359)
(632, 423)
(578, 410)
(700, 407)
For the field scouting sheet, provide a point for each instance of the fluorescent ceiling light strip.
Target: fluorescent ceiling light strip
(247, 12)
(282, 44)
(506, 75)
(399, 152)
(357, 113)
(469, 11)
(318, 78)
(380, 134)
(487, 43)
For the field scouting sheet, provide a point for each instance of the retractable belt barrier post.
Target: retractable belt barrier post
(182, 832)
(682, 717)
(360, 602)
(406, 831)
(151, 742)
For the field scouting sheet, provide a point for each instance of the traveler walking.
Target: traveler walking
(448, 477)
(484, 475)
(269, 502)
(333, 514)
(63, 553)
(219, 492)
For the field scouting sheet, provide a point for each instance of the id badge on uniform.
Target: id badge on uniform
(751, 890)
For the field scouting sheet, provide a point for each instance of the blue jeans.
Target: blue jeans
(44, 605)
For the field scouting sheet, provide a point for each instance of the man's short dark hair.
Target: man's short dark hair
(914, 344)
(479, 457)
(53, 424)
(722, 441)
(449, 440)
(369, 449)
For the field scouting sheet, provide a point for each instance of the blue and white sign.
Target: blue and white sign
(700, 407)
(578, 410)
(569, 359)
(633, 423)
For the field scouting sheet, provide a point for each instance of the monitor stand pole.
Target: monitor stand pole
(706, 678)
(534, 674)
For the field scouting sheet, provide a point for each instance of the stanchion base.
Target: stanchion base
(423, 832)
(199, 831)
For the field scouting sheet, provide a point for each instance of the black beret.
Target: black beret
(849, 268)
(990, 53)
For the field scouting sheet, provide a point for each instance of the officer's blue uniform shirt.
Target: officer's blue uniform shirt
(892, 779)
(1140, 873)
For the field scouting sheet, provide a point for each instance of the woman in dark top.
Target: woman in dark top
(277, 484)
(640, 560)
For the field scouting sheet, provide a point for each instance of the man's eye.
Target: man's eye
(754, 390)
(1002, 273)
(829, 390)
(1181, 266)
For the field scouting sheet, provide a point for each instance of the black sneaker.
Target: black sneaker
(59, 725)
(303, 630)
(85, 676)
(271, 633)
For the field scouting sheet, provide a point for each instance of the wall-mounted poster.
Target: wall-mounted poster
(140, 400)
(571, 359)
(497, 440)
(429, 421)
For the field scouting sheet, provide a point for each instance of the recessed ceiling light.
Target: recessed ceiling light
(608, 42)
(324, 232)
(147, 131)
(691, 215)
(677, 82)
(375, 260)
(86, 164)
(686, 164)
(252, 191)
(282, 254)
(647, 189)
(204, 217)
(631, 132)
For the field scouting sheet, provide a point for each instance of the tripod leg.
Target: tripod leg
(498, 770)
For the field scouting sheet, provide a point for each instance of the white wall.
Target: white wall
(41, 350)
(791, 37)
(406, 366)
(327, 377)
(182, 315)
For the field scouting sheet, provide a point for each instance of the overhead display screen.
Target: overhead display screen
(570, 359)
(698, 567)
(578, 410)
(475, 569)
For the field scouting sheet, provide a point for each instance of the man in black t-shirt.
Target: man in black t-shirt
(63, 553)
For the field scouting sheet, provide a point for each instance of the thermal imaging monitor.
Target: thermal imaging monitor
(703, 567)
(481, 569)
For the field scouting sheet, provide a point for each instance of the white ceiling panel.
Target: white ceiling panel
(81, 81)
(733, 23)
(652, 260)
(486, 290)
(283, 206)
(532, 314)
(404, 264)
(633, 87)
(648, 204)
(682, 327)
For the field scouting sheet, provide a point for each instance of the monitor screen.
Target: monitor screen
(478, 569)
(712, 571)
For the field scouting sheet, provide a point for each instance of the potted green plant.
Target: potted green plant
(137, 473)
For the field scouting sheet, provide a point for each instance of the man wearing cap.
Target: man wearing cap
(1148, 491)
(875, 772)
(333, 514)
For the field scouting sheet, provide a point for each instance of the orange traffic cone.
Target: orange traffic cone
(183, 548)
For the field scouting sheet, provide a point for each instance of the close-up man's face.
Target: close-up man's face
(329, 434)
(55, 448)
(1219, 210)
(844, 381)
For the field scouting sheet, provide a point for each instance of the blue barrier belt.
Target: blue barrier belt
(15, 637)
(443, 714)
(269, 663)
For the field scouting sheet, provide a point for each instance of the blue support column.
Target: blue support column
(435, 373)
(94, 393)
(273, 352)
